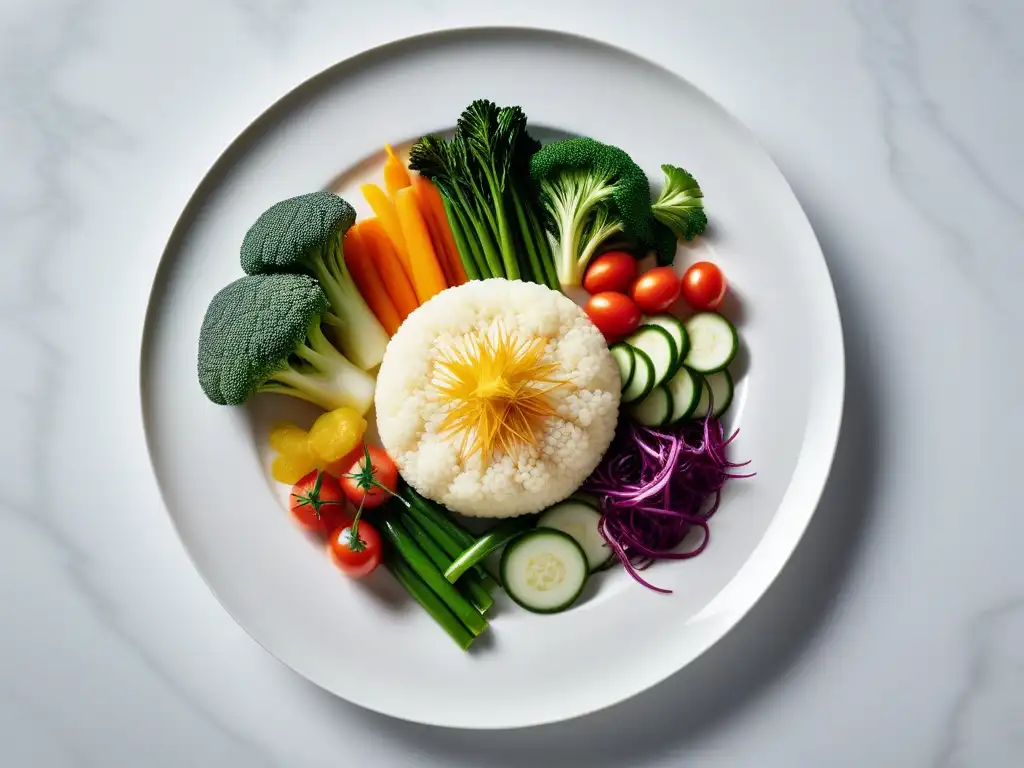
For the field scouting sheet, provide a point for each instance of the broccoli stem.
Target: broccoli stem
(602, 228)
(574, 198)
(360, 335)
(328, 379)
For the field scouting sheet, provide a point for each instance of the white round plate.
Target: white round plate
(366, 641)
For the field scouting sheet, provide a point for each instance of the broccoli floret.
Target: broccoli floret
(262, 333)
(680, 206)
(304, 234)
(592, 192)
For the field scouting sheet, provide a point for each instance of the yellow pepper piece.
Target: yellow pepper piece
(289, 438)
(295, 459)
(289, 468)
(335, 434)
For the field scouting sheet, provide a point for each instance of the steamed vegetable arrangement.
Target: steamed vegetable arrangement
(589, 434)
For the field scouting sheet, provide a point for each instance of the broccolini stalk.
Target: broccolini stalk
(482, 176)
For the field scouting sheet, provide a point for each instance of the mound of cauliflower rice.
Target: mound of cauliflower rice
(569, 445)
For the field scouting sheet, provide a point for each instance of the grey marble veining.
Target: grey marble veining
(895, 637)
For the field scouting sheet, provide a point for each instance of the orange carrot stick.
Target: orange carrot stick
(396, 177)
(433, 211)
(435, 235)
(368, 281)
(384, 257)
(427, 276)
(384, 207)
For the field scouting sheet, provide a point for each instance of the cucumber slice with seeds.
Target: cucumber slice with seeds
(713, 342)
(659, 347)
(544, 570)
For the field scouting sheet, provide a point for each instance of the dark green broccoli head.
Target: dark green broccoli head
(251, 328)
(609, 169)
(292, 233)
(592, 193)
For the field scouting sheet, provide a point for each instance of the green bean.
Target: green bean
(483, 546)
(470, 585)
(410, 551)
(431, 603)
(451, 537)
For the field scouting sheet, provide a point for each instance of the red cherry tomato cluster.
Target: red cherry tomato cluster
(318, 504)
(619, 298)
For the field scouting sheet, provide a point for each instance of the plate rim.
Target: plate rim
(366, 57)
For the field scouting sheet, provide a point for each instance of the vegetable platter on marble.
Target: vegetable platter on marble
(528, 440)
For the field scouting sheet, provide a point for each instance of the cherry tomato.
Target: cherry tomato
(362, 486)
(318, 504)
(704, 285)
(612, 271)
(614, 314)
(656, 290)
(356, 560)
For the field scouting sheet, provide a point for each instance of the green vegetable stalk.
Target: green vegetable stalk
(484, 546)
(402, 542)
(470, 584)
(423, 595)
(452, 537)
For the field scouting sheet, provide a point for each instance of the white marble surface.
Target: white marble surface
(895, 637)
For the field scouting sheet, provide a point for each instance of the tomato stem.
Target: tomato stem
(312, 499)
(354, 542)
(365, 480)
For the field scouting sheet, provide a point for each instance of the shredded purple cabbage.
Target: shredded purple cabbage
(656, 486)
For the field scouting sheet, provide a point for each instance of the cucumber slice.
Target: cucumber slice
(624, 358)
(676, 330)
(717, 388)
(655, 409)
(544, 570)
(700, 410)
(642, 381)
(685, 390)
(721, 391)
(657, 344)
(586, 498)
(713, 342)
(580, 520)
